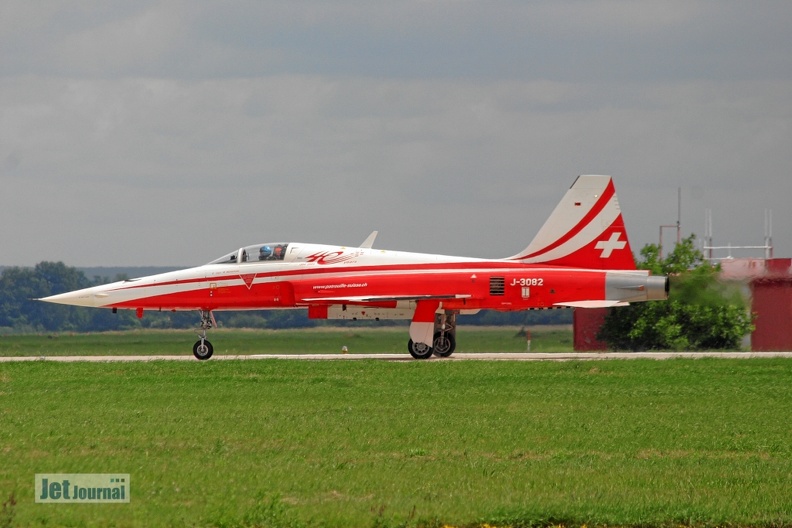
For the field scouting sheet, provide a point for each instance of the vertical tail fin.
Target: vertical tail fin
(585, 230)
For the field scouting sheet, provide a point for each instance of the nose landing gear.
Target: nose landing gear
(203, 349)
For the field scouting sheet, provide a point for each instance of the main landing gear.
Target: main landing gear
(203, 349)
(443, 342)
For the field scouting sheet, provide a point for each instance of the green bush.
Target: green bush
(702, 312)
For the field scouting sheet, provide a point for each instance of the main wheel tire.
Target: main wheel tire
(203, 349)
(444, 344)
(419, 350)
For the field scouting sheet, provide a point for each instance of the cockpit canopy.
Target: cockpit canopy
(255, 253)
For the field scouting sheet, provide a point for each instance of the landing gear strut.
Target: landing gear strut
(203, 349)
(443, 342)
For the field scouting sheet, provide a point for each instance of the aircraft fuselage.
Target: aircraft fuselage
(320, 277)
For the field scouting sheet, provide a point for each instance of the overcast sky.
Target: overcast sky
(170, 132)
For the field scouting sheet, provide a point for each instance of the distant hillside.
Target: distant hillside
(106, 274)
(110, 273)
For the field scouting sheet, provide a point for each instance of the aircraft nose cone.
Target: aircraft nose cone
(87, 297)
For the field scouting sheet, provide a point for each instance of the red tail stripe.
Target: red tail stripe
(610, 190)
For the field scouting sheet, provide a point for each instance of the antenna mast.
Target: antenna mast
(709, 248)
(677, 226)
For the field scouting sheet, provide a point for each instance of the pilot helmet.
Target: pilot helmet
(265, 251)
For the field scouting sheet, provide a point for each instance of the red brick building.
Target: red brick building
(771, 302)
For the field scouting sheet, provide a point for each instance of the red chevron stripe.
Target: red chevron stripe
(610, 190)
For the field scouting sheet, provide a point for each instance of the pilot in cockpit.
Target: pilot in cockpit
(265, 252)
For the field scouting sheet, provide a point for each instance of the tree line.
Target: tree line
(20, 312)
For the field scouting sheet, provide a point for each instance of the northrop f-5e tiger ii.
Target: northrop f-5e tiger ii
(580, 258)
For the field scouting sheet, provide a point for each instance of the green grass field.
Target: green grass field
(419, 443)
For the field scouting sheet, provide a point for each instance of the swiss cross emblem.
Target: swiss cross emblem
(607, 246)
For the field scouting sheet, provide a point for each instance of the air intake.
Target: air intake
(497, 286)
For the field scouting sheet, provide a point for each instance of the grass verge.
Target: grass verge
(280, 443)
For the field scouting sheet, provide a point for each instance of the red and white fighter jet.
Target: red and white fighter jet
(580, 258)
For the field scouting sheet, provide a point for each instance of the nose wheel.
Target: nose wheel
(203, 349)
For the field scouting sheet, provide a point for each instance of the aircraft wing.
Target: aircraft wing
(396, 298)
(385, 298)
(592, 304)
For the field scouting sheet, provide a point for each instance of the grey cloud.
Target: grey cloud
(167, 132)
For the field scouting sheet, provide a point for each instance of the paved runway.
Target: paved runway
(484, 356)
